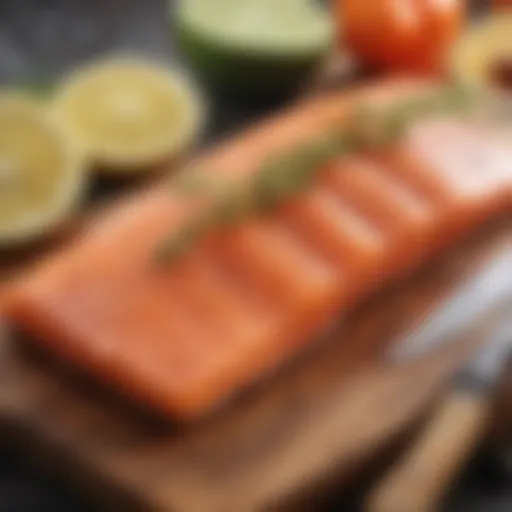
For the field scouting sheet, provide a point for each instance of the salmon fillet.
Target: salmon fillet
(185, 337)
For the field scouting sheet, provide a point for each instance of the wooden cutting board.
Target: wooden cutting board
(295, 436)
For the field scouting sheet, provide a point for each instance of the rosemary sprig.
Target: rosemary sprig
(284, 175)
(38, 86)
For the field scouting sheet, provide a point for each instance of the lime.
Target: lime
(130, 114)
(483, 57)
(255, 47)
(42, 175)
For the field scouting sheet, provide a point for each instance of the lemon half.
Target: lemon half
(42, 174)
(130, 114)
(479, 53)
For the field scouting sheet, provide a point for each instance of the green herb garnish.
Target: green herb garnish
(284, 175)
(37, 87)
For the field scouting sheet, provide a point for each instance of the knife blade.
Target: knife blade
(419, 481)
(482, 295)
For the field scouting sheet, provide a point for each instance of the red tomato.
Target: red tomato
(502, 3)
(400, 35)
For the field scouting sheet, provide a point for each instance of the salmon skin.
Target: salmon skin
(184, 338)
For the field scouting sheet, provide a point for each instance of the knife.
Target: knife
(490, 287)
(418, 482)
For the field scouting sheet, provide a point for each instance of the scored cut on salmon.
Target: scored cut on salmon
(403, 221)
(268, 251)
(469, 161)
(340, 234)
(186, 336)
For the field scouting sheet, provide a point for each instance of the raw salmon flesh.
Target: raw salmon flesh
(185, 337)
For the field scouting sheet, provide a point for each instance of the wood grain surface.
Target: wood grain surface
(315, 422)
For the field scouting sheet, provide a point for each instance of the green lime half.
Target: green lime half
(256, 47)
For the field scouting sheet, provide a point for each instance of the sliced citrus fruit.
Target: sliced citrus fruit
(41, 170)
(130, 114)
(483, 57)
(260, 47)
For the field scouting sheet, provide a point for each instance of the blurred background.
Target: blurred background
(40, 39)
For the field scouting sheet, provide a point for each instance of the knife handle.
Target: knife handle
(419, 481)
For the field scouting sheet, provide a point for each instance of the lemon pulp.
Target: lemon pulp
(41, 171)
(128, 112)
